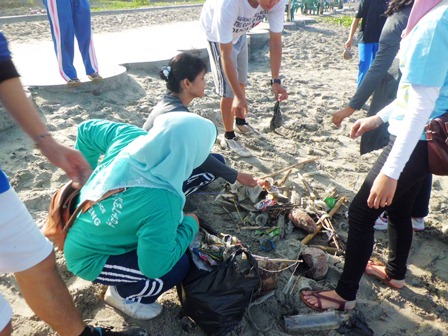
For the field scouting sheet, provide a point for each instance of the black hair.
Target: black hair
(396, 5)
(180, 67)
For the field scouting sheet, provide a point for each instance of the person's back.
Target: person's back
(371, 16)
(373, 20)
(169, 103)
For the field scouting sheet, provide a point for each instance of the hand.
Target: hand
(239, 107)
(279, 92)
(363, 125)
(382, 192)
(192, 215)
(68, 159)
(341, 115)
(348, 43)
(246, 179)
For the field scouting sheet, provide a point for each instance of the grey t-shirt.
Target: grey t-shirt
(382, 78)
(171, 103)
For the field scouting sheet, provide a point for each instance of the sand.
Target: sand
(319, 82)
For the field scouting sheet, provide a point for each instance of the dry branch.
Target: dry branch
(298, 164)
(336, 207)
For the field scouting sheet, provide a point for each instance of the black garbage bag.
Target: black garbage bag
(217, 300)
(277, 119)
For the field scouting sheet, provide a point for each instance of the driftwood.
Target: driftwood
(283, 180)
(298, 164)
(328, 249)
(308, 187)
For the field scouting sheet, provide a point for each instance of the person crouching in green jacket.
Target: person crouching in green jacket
(135, 241)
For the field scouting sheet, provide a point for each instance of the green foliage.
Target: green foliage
(98, 5)
(345, 21)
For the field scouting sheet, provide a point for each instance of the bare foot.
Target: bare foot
(323, 300)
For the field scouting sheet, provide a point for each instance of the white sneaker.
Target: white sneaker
(246, 129)
(418, 223)
(381, 222)
(235, 146)
(139, 311)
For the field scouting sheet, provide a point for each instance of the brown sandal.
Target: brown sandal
(320, 297)
(379, 274)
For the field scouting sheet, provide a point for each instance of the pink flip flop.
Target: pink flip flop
(379, 274)
(319, 297)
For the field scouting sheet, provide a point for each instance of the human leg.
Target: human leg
(200, 177)
(400, 232)
(365, 60)
(59, 14)
(421, 204)
(46, 294)
(29, 255)
(7, 330)
(241, 60)
(359, 245)
(222, 87)
(83, 32)
(134, 293)
(226, 113)
(400, 240)
(361, 220)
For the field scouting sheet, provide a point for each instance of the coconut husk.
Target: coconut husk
(302, 220)
(317, 261)
(268, 279)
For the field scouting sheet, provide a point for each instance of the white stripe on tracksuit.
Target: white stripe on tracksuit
(70, 19)
(193, 186)
(116, 275)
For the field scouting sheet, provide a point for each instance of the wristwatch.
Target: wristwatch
(276, 80)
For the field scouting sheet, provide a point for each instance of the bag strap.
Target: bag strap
(87, 204)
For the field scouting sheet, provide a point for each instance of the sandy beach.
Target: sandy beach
(319, 82)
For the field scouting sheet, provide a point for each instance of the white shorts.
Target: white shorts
(22, 244)
(5, 313)
(240, 60)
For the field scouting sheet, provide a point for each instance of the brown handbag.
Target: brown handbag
(437, 136)
(63, 212)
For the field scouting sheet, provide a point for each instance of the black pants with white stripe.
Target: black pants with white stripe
(122, 271)
(200, 178)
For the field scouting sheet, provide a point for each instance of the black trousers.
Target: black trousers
(362, 218)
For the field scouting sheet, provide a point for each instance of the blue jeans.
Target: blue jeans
(367, 52)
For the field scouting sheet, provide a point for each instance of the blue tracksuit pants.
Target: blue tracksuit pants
(367, 53)
(70, 19)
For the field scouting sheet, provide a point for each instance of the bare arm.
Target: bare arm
(275, 44)
(353, 27)
(17, 104)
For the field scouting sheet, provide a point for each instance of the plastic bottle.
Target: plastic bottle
(311, 322)
(331, 202)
